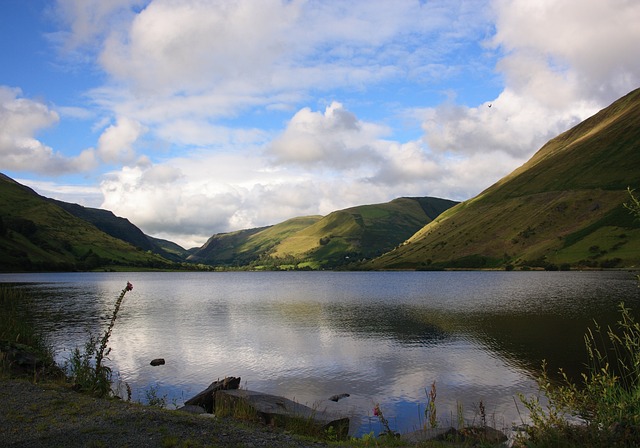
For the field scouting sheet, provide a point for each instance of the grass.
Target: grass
(17, 332)
(602, 410)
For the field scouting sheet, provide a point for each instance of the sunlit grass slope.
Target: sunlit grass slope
(360, 232)
(36, 234)
(563, 207)
(323, 242)
(243, 247)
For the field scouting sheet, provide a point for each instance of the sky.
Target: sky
(195, 117)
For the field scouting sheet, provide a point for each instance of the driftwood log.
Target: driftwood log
(206, 398)
(278, 411)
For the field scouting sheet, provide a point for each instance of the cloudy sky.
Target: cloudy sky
(193, 117)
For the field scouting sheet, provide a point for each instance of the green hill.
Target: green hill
(123, 229)
(314, 242)
(243, 247)
(563, 207)
(365, 231)
(36, 234)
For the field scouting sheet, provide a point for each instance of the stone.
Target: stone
(278, 411)
(157, 362)
(338, 397)
(206, 398)
(192, 409)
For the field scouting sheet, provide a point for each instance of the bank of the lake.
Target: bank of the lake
(48, 414)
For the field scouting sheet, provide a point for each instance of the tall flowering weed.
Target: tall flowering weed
(86, 367)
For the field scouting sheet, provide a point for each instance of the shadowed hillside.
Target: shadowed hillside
(38, 235)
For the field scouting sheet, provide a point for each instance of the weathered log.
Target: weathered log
(206, 398)
(281, 412)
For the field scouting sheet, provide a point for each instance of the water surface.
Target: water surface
(382, 337)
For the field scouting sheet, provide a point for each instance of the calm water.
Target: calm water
(382, 337)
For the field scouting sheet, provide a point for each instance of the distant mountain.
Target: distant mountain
(332, 241)
(169, 249)
(39, 234)
(562, 208)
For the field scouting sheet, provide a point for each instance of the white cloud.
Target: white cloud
(557, 52)
(20, 121)
(335, 139)
(116, 142)
(187, 47)
(89, 196)
(88, 20)
(510, 124)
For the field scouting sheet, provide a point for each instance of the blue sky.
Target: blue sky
(195, 117)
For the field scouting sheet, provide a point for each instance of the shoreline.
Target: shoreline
(50, 414)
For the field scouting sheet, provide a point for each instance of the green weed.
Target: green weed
(154, 399)
(85, 367)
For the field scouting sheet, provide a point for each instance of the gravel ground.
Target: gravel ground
(51, 415)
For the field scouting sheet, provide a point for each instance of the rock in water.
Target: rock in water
(338, 397)
(206, 398)
(157, 362)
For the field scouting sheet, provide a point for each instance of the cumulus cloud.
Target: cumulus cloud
(407, 163)
(190, 46)
(116, 142)
(557, 52)
(335, 138)
(88, 20)
(511, 124)
(20, 121)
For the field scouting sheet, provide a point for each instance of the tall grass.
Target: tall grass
(602, 410)
(15, 324)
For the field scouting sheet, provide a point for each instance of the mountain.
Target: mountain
(564, 207)
(37, 234)
(317, 242)
(243, 247)
(123, 229)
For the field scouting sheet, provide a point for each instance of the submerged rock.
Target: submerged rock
(338, 397)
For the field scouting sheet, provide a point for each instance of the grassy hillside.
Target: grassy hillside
(38, 235)
(359, 232)
(563, 207)
(123, 229)
(244, 247)
(322, 242)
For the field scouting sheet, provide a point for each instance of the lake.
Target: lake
(382, 337)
